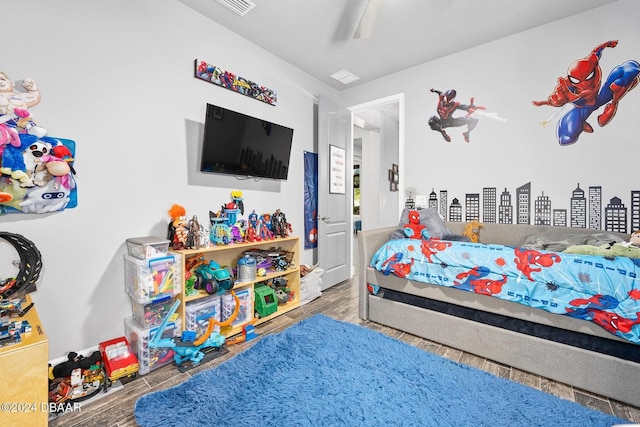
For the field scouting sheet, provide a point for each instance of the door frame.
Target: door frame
(375, 105)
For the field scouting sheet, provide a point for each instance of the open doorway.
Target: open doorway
(378, 145)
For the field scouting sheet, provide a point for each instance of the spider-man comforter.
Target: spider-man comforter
(603, 290)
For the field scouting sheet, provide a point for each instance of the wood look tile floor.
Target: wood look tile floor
(341, 303)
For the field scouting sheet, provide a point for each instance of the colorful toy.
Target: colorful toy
(220, 233)
(279, 224)
(197, 235)
(119, 360)
(265, 227)
(177, 233)
(472, 231)
(414, 229)
(266, 301)
(213, 278)
(77, 379)
(252, 233)
(189, 348)
(234, 207)
(14, 105)
(248, 333)
(13, 308)
(238, 231)
(11, 331)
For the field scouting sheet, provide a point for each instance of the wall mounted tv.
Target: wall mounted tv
(240, 145)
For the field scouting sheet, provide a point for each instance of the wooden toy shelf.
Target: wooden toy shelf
(228, 255)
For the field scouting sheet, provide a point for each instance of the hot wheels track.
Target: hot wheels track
(30, 265)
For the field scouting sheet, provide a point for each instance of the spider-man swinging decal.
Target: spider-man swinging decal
(581, 88)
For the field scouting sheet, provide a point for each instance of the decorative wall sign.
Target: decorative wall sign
(228, 80)
(337, 170)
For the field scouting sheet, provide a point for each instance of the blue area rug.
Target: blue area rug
(322, 372)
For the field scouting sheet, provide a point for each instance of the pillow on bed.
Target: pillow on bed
(433, 222)
(558, 242)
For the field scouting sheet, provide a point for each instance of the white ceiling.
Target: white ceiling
(316, 36)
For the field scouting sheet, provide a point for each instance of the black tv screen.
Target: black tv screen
(237, 144)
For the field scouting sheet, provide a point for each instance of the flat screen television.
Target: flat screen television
(241, 145)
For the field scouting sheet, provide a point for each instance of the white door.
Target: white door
(334, 192)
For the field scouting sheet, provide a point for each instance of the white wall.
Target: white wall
(389, 210)
(506, 76)
(117, 78)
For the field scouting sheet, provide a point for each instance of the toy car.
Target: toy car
(8, 287)
(118, 359)
(212, 277)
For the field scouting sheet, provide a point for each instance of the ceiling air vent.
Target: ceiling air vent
(241, 7)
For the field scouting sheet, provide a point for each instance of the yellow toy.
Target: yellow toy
(472, 231)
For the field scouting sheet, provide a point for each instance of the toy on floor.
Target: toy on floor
(248, 333)
(190, 349)
(119, 360)
(77, 379)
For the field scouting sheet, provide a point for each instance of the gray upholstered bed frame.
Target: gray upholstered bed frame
(599, 373)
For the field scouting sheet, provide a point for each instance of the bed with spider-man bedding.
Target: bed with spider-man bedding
(569, 317)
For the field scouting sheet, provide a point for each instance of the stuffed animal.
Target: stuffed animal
(14, 105)
(414, 229)
(634, 240)
(13, 158)
(472, 231)
(177, 233)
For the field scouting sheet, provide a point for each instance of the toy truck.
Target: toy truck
(211, 277)
(119, 360)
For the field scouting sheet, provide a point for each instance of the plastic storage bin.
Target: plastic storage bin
(150, 279)
(153, 313)
(228, 304)
(147, 247)
(199, 312)
(139, 338)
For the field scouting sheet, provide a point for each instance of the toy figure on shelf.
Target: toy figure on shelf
(238, 231)
(220, 233)
(252, 233)
(178, 232)
(279, 224)
(196, 237)
(234, 207)
(265, 227)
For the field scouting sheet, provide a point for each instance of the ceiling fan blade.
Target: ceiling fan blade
(368, 19)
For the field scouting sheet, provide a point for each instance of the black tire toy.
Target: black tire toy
(30, 264)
